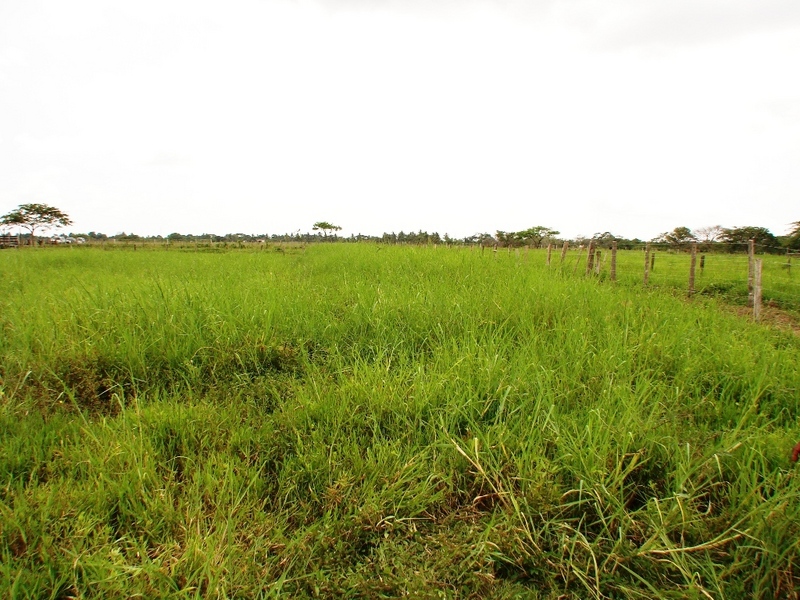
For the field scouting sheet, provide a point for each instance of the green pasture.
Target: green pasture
(358, 421)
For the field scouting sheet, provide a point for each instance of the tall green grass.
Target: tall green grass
(358, 421)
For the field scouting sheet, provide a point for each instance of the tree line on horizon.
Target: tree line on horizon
(42, 217)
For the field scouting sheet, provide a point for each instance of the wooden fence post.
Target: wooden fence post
(564, 252)
(549, 252)
(757, 289)
(692, 268)
(590, 259)
(646, 263)
(751, 251)
(702, 263)
(613, 261)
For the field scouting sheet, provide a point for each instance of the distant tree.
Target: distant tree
(793, 239)
(605, 239)
(678, 237)
(535, 236)
(505, 238)
(710, 234)
(738, 237)
(325, 227)
(484, 239)
(126, 237)
(421, 237)
(581, 241)
(36, 216)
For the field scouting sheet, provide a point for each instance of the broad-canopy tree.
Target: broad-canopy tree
(506, 238)
(605, 239)
(707, 235)
(535, 236)
(36, 216)
(325, 227)
(679, 236)
(738, 237)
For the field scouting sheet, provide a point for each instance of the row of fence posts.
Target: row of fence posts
(755, 268)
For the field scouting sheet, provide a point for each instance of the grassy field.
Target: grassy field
(357, 421)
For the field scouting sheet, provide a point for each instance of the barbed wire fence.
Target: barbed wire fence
(752, 275)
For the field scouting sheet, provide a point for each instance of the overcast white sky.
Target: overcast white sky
(629, 116)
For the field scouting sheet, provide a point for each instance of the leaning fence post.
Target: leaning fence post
(564, 252)
(757, 289)
(590, 259)
(613, 261)
(692, 266)
(646, 263)
(751, 251)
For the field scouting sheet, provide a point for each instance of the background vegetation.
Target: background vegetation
(365, 421)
